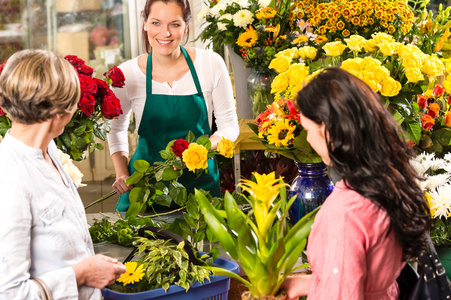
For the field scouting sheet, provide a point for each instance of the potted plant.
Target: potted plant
(261, 241)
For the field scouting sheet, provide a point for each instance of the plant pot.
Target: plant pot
(216, 288)
(444, 253)
(248, 296)
(312, 186)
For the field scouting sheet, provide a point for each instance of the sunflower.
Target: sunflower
(133, 274)
(281, 133)
(247, 38)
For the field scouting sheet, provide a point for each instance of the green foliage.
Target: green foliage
(441, 233)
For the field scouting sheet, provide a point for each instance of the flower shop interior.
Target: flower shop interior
(401, 49)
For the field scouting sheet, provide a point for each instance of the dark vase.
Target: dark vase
(312, 186)
(259, 89)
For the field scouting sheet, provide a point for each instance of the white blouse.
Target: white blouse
(43, 228)
(215, 84)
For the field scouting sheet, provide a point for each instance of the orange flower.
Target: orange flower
(448, 119)
(433, 109)
(422, 101)
(438, 90)
(427, 122)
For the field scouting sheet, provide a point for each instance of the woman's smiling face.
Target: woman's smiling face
(165, 27)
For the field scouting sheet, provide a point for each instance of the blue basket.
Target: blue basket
(215, 289)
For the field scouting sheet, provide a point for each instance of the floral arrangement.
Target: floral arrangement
(262, 241)
(398, 72)
(339, 19)
(437, 187)
(256, 29)
(96, 106)
(190, 153)
(279, 129)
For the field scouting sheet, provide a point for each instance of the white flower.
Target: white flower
(263, 3)
(435, 181)
(203, 13)
(447, 157)
(441, 200)
(243, 18)
(222, 26)
(74, 173)
(243, 3)
(1, 138)
(226, 17)
(215, 11)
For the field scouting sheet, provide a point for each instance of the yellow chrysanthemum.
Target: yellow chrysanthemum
(281, 133)
(225, 148)
(133, 274)
(247, 38)
(195, 157)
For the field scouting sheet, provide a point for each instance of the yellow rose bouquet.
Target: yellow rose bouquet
(396, 71)
(157, 183)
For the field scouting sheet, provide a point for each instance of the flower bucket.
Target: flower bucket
(217, 288)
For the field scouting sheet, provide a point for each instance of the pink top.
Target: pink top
(349, 251)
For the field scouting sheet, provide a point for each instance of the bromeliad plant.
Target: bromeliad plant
(262, 241)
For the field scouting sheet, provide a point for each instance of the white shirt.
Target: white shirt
(215, 84)
(43, 227)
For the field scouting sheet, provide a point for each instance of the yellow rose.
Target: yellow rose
(379, 37)
(413, 61)
(355, 42)
(225, 148)
(388, 48)
(195, 157)
(334, 48)
(433, 66)
(279, 84)
(414, 75)
(290, 53)
(280, 64)
(447, 85)
(406, 50)
(369, 45)
(307, 52)
(390, 87)
(297, 73)
(352, 64)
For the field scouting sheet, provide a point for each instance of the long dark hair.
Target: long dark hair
(186, 10)
(367, 150)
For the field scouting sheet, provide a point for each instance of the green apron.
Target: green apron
(169, 117)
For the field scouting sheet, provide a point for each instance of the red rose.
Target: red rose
(438, 90)
(116, 76)
(87, 103)
(427, 122)
(111, 106)
(74, 60)
(87, 84)
(434, 109)
(102, 88)
(179, 146)
(2, 66)
(84, 69)
(422, 101)
(2, 113)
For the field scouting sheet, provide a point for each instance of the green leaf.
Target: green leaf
(217, 225)
(135, 195)
(178, 193)
(442, 136)
(141, 165)
(163, 200)
(199, 237)
(165, 154)
(413, 131)
(99, 147)
(190, 137)
(204, 141)
(134, 178)
(80, 129)
(65, 138)
(189, 220)
(169, 174)
(133, 210)
(253, 127)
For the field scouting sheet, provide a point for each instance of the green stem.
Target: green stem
(101, 199)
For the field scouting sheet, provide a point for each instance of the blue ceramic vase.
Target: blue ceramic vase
(312, 186)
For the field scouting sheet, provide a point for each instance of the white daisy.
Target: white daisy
(243, 3)
(242, 18)
(441, 200)
(215, 11)
(435, 181)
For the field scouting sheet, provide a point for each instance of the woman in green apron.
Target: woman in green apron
(171, 90)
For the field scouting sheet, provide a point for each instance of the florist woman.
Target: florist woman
(376, 216)
(172, 90)
(43, 230)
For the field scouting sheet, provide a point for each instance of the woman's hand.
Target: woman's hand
(296, 285)
(120, 186)
(98, 271)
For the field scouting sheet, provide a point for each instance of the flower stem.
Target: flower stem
(101, 199)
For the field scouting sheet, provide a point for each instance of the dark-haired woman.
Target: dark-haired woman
(376, 217)
(171, 90)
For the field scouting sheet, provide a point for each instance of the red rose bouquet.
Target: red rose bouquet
(96, 106)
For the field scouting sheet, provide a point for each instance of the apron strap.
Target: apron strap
(190, 65)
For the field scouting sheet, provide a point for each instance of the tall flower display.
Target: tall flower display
(96, 106)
